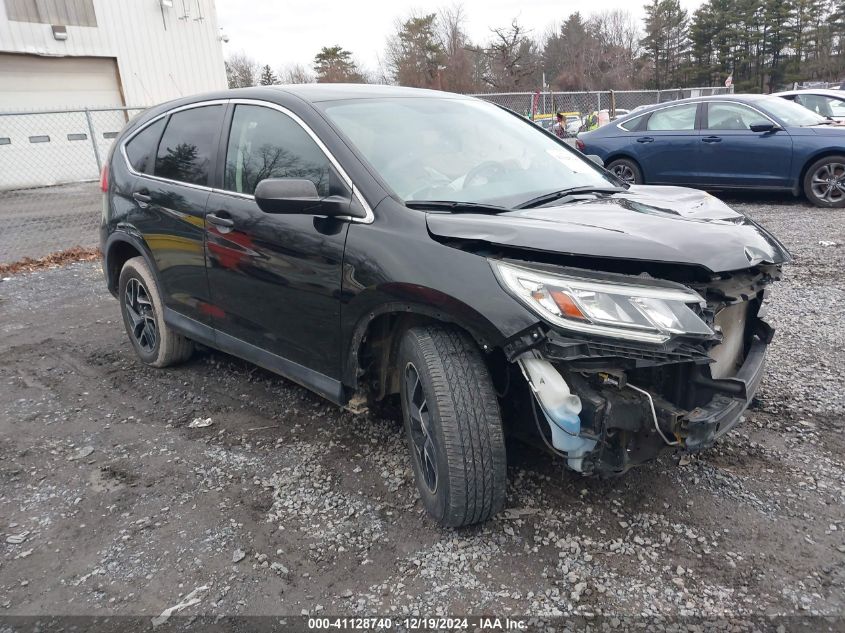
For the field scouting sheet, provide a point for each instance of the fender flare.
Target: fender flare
(487, 338)
(126, 235)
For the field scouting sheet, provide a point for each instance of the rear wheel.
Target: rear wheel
(453, 426)
(627, 170)
(140, 303)
(824, 182)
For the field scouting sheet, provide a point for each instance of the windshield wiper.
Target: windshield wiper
(455, 206)
(562, 193)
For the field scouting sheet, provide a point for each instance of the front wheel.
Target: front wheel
(627, 170)
(453, 426)
(824, 182)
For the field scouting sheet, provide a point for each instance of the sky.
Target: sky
(285, 33)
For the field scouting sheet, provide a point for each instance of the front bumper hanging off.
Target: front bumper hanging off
(629, 419)
(704, 425)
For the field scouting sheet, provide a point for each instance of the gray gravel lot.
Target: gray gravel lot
(38, 222)
(125, 509)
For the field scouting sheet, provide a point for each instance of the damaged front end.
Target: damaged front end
(625, 366)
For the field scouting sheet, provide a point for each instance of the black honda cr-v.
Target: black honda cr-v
(368, 241)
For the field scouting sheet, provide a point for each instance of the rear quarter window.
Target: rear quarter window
(189, 145)
(633, 124)
(142, 148)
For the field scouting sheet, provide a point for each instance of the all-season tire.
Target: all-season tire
(824, 182)
(453, 426)
(141, 306)
(627, 170)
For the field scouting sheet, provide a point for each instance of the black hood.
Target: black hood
(649, 223)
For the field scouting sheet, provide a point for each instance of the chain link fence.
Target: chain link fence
(50, 165)
(583, 103)
(50, 162)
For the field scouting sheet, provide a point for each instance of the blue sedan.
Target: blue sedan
(727, 142)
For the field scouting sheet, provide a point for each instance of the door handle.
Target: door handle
(217, 220)
(712, 139)
(140, 196)
(645, 139)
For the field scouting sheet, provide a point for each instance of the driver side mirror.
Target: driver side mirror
(596, 159)
(298, 195)
(765, 127)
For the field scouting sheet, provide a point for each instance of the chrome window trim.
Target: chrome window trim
(125, 141)
(677, 105)
(671, 104)
(369, 215)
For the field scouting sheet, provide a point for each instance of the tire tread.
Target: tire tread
(470, 422)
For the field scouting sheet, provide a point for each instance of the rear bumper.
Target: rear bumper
(702, 426)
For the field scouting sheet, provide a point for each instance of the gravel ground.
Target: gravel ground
(110, 503)
(37, 222)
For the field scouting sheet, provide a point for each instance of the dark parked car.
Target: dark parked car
(494, 283)
(727, 142)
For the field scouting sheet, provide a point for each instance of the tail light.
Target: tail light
(104, 179)
(579, 144)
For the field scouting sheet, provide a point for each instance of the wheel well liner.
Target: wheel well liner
(375, 342)
(120, 248)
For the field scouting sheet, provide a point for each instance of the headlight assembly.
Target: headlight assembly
(650, 314)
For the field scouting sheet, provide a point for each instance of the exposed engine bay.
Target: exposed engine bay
(607, 405)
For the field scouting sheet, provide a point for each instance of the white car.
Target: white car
(573, 124)
(826, 102)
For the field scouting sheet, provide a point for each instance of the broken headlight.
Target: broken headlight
(651, 314)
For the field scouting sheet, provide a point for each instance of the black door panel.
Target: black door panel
(173, 226)
(275, 281)
(275, 278)
(170, 197)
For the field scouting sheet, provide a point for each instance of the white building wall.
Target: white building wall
(160, 55)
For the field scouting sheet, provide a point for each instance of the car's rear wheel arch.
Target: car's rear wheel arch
(119, 250)
(624, 156)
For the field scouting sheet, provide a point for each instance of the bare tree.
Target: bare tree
(459, 68)
(296, 74)
(512, 59)
(241, 70)
(618, 38)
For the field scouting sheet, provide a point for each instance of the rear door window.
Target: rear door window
(142, 148)
(187, 148)
(677, 118)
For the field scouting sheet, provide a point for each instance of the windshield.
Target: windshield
(790, 113)
(464, 150)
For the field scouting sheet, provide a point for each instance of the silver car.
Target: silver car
(826, 102)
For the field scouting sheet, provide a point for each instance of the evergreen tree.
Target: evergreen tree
(415, 54)
(666, 41)
(334, 64)
(268, 77)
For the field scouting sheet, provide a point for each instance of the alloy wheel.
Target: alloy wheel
(828, 182)
(139, 309)
(624, 172)
(422, 436)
